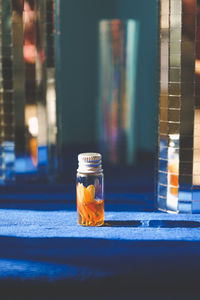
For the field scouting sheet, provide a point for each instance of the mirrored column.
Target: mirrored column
(178, 161)
(28, 93)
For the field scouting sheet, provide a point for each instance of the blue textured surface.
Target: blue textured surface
(129, 226)
(44, 254)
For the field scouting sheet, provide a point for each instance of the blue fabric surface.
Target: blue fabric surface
(138, 254)
(152, 226)
(132, 253)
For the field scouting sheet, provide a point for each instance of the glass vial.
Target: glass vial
(90, 190)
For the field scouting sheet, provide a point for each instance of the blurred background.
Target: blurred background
(77, 76)
(108, 83)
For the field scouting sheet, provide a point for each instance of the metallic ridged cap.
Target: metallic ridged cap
(89, 163)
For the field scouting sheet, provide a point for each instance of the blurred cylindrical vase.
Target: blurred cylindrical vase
(28, 66)
(178, 180)
(118, 53)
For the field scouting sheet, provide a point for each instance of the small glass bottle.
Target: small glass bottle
(90, 190)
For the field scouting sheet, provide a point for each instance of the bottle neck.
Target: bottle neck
(80, 173)
(89, 168)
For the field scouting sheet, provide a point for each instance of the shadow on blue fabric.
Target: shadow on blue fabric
(153, 223)
(53, 267)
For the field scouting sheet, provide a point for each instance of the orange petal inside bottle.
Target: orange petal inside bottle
(90, 210)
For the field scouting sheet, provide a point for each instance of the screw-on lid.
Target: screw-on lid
(89, 163)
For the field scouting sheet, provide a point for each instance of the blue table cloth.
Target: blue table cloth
(138, 254)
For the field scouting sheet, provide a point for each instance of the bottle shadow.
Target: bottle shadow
(152, 223)
(124, 223)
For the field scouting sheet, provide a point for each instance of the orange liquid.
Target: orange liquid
(90, 211)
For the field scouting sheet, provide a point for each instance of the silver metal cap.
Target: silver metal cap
(89, 163)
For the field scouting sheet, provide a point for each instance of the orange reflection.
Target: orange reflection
(33, 145)
(29, 33)
(197, 66)
(29, 21)
(173, 173)
(32, 126)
